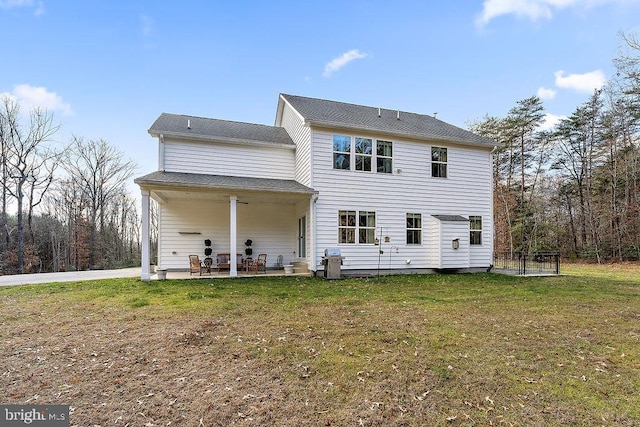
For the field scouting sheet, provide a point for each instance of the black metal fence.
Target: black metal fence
(522, 263)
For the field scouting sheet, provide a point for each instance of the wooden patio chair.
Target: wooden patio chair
(222, 262)
(239, 262)
(195, 266)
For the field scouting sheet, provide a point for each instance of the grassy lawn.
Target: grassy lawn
(452, 350)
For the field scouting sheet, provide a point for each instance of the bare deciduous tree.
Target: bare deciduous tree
(28, 162)
(101, 173)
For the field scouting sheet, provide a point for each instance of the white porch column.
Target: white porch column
(233, 268)
(312, 233)
(145, 236)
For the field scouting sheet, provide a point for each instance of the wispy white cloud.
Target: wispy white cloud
(12, 4)
(549, 121)
(534, 9)
(586, 82)
(146, 24)
(337, 63)
(30, 97)
(544, 93)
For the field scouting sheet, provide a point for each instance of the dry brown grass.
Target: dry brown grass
(414, 350)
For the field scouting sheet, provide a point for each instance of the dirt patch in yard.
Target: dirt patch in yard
(137, 371)
(114, 368)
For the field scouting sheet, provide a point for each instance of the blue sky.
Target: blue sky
(107, 69)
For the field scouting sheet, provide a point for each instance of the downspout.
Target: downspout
(312, 231)
(493, 225)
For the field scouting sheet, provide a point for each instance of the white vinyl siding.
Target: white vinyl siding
(301, 136)
(251, 161)
(442, 234)
(275, 233)
(409, 188)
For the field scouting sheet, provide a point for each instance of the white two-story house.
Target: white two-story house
(394, 191)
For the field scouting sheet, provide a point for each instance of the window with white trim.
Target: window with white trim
(384, 155)
(475, 227)
(438, 162)
(414, 229)
(364, 154)
(367, 227)
(346, 226)
(356, 223)
(360, 154)
(341, 152)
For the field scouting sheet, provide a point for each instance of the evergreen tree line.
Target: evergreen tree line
(574, 188)
(62, 208)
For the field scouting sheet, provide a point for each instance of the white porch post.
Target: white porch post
(145, 236)
(233, 267)
(312, 232)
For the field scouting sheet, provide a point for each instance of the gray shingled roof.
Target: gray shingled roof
(333, 114)
(203, 181)
(177, 125)
(450, 218)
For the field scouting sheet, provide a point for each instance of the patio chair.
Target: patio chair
(239, 262)
(195, 266)
(222, 262)
(279, 263)
(261, 263)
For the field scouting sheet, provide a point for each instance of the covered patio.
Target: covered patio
(185, 275)
(227, 211)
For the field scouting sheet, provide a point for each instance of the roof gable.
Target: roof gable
(333, 114)
(200, 128)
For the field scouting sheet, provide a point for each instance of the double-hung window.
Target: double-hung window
(367, 227)
(364, 154)
(414, 229)
(438, 162)
(346, 226)
(356, 223)
(341, 152)
(475, 227)
(384, 152)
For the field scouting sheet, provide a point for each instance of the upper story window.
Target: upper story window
(475, 226)
(341, 152)
(363, 154)
(438, 162)
(384, 153)
(360, 154)
(360, 223)
(414, 229)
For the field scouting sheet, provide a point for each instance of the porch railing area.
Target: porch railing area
(522, 263)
